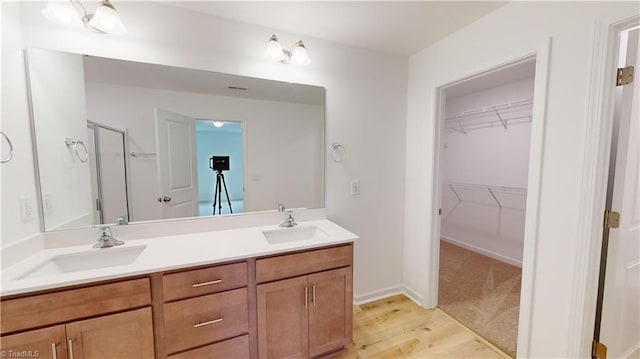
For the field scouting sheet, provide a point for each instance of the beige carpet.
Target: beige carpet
(482, 293)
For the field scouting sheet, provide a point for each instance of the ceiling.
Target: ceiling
(395, 27)
(137, 74)
(492, 79)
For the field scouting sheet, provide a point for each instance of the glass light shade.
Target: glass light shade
(218, 124)
(107, 20)
(62, 12)
(299, 55)
(274, 50)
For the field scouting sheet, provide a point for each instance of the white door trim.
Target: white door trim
(597, 148)
(542, 56)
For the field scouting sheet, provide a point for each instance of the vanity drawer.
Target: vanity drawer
(193, 322)
(204, 281)
(292, 265)
(236, 348)
(67, 305)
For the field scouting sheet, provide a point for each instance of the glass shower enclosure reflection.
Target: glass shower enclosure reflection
(108, 170)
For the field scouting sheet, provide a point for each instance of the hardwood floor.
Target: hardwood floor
(396, 327)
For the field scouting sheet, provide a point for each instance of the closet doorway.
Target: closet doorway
(484, 165)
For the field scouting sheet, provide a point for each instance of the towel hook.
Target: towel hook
(10, 148)
(335, 147)
(74, 142)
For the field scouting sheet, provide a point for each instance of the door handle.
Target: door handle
(70, 347)
(164, 199)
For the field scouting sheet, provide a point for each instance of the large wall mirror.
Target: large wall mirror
(120, 142)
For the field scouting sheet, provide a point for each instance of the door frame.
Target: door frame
(541, 54)
(597, 149)
(245, 157)
(219, 116)
(127, 178)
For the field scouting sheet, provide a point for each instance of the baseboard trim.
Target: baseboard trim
(385, 293)
(632, 353)
(482, 251)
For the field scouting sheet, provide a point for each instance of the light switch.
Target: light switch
(27, 209)
(355, 188)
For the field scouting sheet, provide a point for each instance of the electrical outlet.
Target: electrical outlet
(47, 204)
(27, 209)
(355, 188)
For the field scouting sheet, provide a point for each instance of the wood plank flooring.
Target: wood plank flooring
(396, 328)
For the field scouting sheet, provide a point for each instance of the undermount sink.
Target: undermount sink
(77, 262)
(291, 234)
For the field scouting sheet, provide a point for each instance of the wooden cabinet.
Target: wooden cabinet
(125, 334)
(236, 348)
(292, 305)
(202, 281)
(330, 311)
(283, 329)
(42, 343)
(305, 316)
(67, 305)
(206, 307)
(122, 335)
(202, 320)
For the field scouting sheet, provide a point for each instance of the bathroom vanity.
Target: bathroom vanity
(241, 293)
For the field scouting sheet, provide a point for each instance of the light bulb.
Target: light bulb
(107, 20)
(218, 124)
(299, 54)
(274, 50)
(63, 13)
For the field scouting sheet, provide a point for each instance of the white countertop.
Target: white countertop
(167, 253)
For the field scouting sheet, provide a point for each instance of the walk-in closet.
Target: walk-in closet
(484, 162)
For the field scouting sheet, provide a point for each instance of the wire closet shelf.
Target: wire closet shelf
(502, 115)
(501, 196)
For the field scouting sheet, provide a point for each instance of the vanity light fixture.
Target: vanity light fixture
(217, 124)
(104, 20)
(297, 55)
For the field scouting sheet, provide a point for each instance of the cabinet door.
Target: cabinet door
(47, 343)
(123, 335)
(330, 310)
(283, 319)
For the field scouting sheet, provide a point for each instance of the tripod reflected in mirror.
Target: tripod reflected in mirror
(219, 164)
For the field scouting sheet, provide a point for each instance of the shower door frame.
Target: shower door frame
(125, 147)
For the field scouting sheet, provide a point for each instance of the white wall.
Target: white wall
(18, 178)
(284, 143)
(365, 110)
(487, 156)
(58, 105)
(514, 30)
(490, 155)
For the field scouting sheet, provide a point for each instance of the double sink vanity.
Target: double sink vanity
(247, 292)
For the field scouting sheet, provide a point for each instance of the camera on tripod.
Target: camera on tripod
(219, 163)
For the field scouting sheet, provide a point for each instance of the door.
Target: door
(124, 335)
(620, 330)
(177, 170)
(112, 175)
(47, 343)
(329, 311)
(283, 319)
(108, 174)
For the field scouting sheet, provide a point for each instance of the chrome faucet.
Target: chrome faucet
(289, 221)
(281, 207)
(106, 240)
